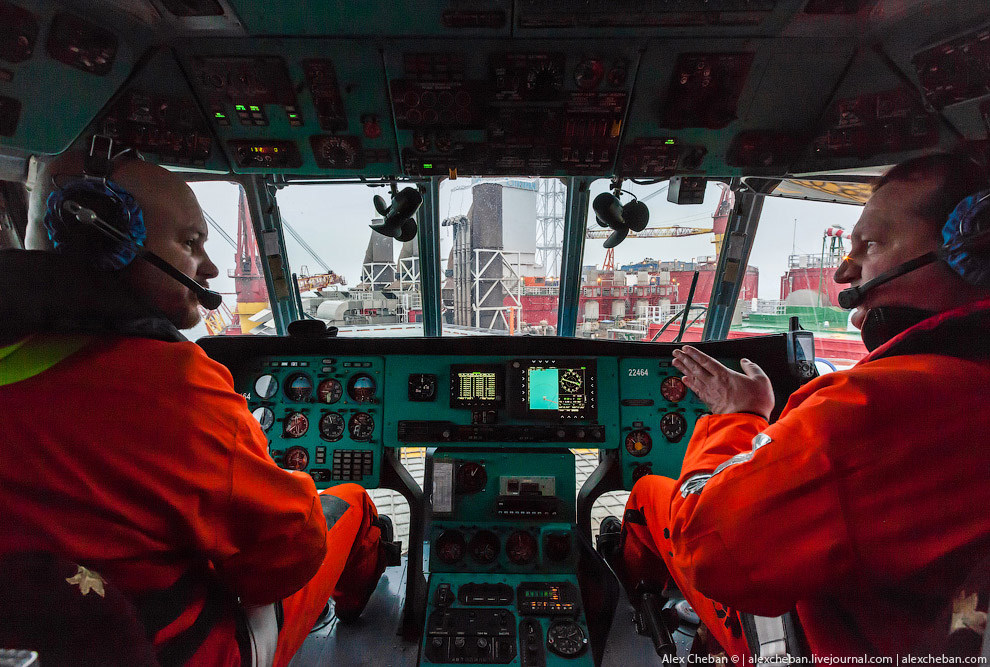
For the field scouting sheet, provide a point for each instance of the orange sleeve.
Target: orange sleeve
(767, 528)
(260, 525)
(273, 539)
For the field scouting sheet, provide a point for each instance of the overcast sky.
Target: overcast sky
(334, 219)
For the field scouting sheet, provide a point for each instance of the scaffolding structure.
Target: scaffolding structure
(377, 275)
(497, 283)
(550, 206)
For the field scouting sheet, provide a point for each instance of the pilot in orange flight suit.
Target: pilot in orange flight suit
(127, 450)
(864, 506)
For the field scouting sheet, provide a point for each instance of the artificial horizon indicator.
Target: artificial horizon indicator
(298, 387)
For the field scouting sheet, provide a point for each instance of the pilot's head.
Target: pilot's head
(176, 231)
(903, 220)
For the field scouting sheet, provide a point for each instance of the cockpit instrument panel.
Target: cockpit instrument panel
(554, 389)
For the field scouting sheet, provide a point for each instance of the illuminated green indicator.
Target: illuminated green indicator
(669, 142)
(240, 107)
(293, 115)
(254, 108)
(220, 115)
(427, 165)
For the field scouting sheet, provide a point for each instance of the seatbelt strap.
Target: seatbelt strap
(772, 638)
(35, 354)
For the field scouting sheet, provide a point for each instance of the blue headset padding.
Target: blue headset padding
(120, 210)
(966, 239)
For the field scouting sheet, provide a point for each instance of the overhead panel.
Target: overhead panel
(46, 48)
(448, 18)
(874, 118)
(296, 106)
(689, 95)
(157, 114)
(547, 108)
(951, 66)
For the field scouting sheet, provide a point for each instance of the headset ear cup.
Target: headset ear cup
(966, 237)
(637, 215)
(114, 206)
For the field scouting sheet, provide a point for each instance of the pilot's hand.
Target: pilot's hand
(723, 390)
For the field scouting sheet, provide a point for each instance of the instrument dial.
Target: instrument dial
(566, 638)
(266, 386)
(471, 477)
(298, 387)
(450, 546)
(571, 381)
(329, 391)
(521, 548)
(265, 417)
(295, 425)
(589, 74)
(673, 389)
(639, 443)
(484, 547)
(361, 426)
(422, 387)
(331, 426)
(673, 426)
(642, 470)
(361, 388)
(296, 458)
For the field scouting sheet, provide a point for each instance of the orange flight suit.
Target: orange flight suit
(137, 459)
(863, 507)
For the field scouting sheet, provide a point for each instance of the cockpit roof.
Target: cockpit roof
(642, 88)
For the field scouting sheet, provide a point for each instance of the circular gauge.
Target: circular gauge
(557, 546)
(265, 417)
(361, 388)
(266, 386)
(449, 546)
(298, 387)
(361, 426)
(295, 425)
(329, 391)
(422, 387)
(571, 381)
(484, 547)
(639, 443)
(331, 426)
(673, 389)
(642, 470)
(566, 638)
(296, 458)
(471, 477)
(521, 547)
(589, 74)
(673, 426)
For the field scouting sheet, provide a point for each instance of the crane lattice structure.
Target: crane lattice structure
(550, 206)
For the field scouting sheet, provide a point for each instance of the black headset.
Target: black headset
(965, 249)
(609, 212)
(91, 216)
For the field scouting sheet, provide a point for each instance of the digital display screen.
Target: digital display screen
(555, 389)
(476, 386)
(560, 389)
